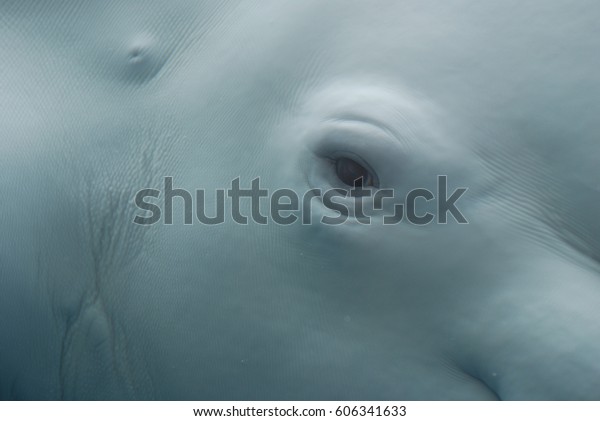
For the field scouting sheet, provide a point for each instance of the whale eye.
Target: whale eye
(352, 173)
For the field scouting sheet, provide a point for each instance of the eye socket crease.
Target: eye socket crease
(366, 122)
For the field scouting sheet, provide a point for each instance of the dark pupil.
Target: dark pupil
(349, 170)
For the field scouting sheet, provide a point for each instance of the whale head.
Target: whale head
(300, 200)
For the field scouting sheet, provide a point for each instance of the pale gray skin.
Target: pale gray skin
(101, 99)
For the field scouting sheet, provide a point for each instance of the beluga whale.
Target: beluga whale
(299, 200)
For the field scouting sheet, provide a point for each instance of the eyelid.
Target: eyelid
(340, 134)
(366, 123)
(365, 141)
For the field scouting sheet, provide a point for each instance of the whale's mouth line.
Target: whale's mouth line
(481, 381)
